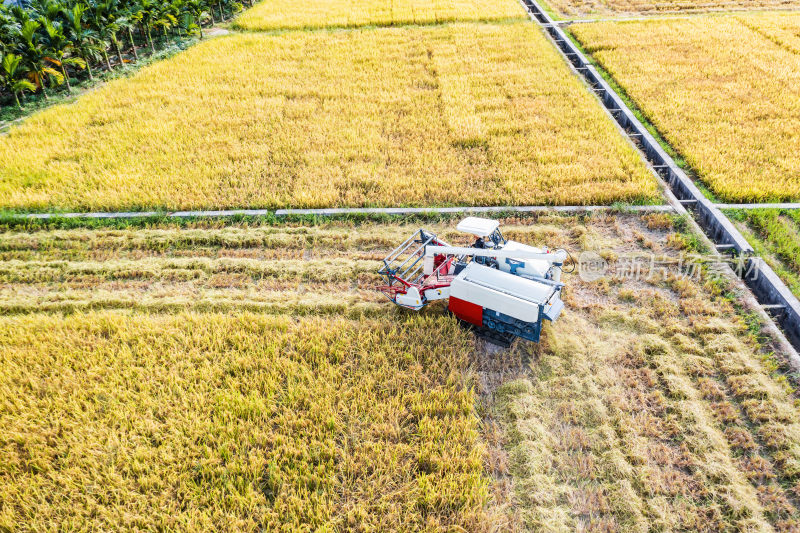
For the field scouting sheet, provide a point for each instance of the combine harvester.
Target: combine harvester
(504, 289)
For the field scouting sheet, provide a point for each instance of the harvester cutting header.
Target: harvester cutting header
(504, 288)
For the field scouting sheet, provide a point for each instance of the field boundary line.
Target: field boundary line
(771, 292)
(142, 214)
(333, 211)
(659, 16)
(278, 30)
(475, 209)
(788, 205)
(341, 211)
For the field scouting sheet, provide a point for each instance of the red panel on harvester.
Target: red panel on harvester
(467, 311)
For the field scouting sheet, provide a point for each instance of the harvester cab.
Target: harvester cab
(487, 236)
(502, 288)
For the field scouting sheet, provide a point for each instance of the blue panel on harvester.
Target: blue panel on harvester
(554, 310)
(507, 324)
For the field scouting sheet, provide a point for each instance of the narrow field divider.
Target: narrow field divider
(345, 211)
(492, 209)
(790, 205)
(144, 214)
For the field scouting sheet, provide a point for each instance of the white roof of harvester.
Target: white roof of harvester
(480, 227)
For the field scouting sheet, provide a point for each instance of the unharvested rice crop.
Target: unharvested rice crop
(648, 405)
(591, 8)
(285, 14)
(783, 29)
(459, 114)
(235, 422)
(725, 96)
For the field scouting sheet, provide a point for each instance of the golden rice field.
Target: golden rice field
(285, 14)
(236, 422)
(732, 110)
(153, 379)
(783, 29)
(456, 114)
(608, 8)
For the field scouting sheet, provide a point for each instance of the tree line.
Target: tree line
(46, 43)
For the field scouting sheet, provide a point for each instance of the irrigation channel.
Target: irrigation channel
(771, 292)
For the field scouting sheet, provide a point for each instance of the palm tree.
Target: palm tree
(103, 27)
(165, 18)
(128, 23)
(197, 9)
(41, 41)
(57, 46)
(210, 11)
(114, 14)
(12, 77)
(35, 57)
(145, 15)
(124, 24)
(183, 20)
(9, 28)
(84, 40)
(49, 9)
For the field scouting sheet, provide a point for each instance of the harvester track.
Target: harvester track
(503, 340)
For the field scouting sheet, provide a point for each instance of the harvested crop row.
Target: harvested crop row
(651, 409)
(236, 422)
(205, 238)
(285, 14)
(327, 269)
(605, 8)
(731, 111)
(459, 114)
